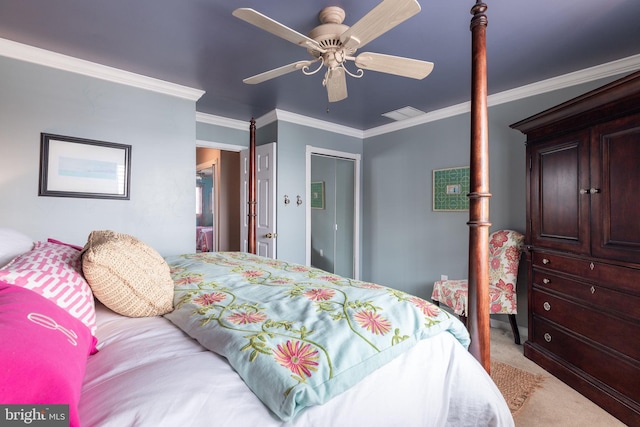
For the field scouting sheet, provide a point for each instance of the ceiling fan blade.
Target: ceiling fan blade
(397, 65)
(378, 21)
(276, 72)
(261, 21)
(336, 83)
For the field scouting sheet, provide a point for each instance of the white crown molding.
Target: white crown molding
(431, 116)
(47, 58)
(282, 115)
(266, 119)
(613, 68)
(621, 66)
(222, 121)
(212, 119)
(287, 116)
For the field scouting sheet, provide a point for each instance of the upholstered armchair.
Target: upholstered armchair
(505, 248)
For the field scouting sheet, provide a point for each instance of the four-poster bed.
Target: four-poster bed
(232, 338)
(478, 316)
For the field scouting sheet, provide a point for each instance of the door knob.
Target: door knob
(271, 235)
(589, 190)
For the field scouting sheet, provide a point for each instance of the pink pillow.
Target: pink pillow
(55, 272)
(44, 351)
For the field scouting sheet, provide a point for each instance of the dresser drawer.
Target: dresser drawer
(618, 373)
(610, 331)
(623, 304)
(618, 277)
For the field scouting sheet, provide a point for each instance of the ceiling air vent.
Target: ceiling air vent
(403, 113)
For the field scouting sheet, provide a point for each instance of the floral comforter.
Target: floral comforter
(297, 336)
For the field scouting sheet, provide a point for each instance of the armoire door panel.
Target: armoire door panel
(616, 178)
(559, 211)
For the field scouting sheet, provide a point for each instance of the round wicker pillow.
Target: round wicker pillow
(127, 275)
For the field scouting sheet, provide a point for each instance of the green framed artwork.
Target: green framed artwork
(450, 189)
(317, 195)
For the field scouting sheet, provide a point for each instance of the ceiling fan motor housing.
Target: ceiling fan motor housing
(327, 34)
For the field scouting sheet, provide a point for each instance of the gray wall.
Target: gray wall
(160, 129)
(221, 134)
(404, 243)
(291, 177)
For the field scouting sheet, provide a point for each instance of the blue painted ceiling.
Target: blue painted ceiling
(198, 43)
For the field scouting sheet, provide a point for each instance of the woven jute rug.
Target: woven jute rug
(515, 384)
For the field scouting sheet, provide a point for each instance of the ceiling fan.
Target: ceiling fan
(332, 44)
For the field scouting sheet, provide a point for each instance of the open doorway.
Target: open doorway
(217, 200)
(207, 195)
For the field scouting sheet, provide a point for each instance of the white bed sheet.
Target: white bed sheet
(149, 373)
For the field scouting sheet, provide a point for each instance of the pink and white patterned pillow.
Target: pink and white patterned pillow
(54, 271)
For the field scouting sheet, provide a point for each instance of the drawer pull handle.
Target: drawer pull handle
(593, 290)
(546, 281)
(591, 266)
(546, 306)
(547, 337)
(545, 261)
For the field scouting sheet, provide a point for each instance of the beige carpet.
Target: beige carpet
(553, 403)
(515, 384)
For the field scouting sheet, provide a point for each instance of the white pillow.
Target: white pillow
(12, 244)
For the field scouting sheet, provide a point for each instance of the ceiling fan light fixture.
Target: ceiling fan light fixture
(328, 33)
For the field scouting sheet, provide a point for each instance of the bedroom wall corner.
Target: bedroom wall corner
(160, 128)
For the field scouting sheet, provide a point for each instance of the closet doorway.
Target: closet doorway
(333, 181)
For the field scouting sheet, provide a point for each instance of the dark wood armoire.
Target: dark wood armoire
(583, 241)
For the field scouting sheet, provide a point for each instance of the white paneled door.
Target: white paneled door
(266, 199)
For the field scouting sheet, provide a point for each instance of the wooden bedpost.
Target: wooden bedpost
(478, 316)
(251, 224)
